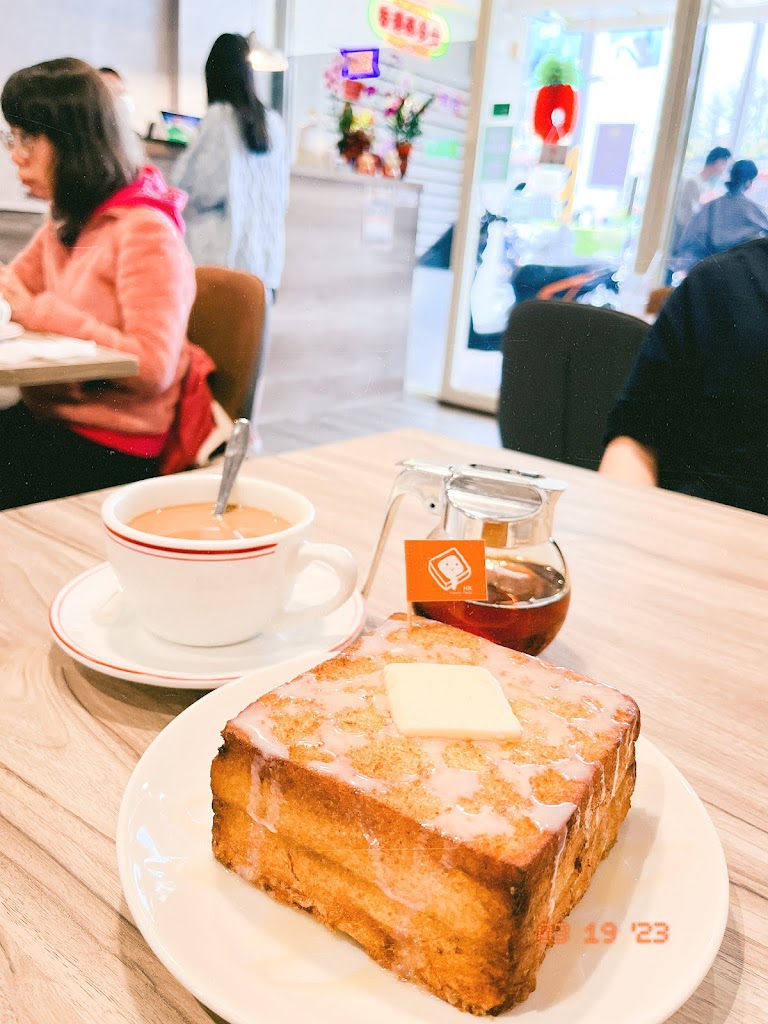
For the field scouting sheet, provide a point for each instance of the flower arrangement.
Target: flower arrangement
(356, 129)
(404, 119)
(404, 122)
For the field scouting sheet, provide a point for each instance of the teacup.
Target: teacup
(5, 312)
(207, 593)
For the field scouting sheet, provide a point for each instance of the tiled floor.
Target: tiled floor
(375, 414)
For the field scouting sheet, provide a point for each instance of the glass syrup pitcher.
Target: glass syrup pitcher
(511, 510)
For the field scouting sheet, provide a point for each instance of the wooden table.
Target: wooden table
(102, 364)
(669, 603)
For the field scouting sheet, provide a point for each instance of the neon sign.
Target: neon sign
(360, 64)
(410, 27)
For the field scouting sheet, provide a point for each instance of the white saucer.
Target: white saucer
(254, 961)
(91, 623)
(10, 330)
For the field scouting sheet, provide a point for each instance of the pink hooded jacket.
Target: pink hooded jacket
(128, 283)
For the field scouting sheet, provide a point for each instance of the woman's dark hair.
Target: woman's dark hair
(743, 173)
(229, 79)
(66, 101)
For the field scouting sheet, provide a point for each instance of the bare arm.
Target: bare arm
(626, 459)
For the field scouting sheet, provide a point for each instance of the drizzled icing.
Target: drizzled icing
(553, 884)
(465, 790)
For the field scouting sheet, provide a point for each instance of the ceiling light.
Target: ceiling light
(263, 59)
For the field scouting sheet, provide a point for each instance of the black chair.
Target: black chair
(538, 281)
(563, 365)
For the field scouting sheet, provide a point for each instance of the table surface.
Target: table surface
(669, 604)
(102, 364)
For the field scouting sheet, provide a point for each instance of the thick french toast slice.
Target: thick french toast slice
(448, 861)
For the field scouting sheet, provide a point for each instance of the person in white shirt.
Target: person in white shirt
(692, 189)
(236, 173)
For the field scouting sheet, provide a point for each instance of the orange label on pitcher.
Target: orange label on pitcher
(445, 570)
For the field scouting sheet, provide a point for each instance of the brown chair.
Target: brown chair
(656, 300)
(227, 321)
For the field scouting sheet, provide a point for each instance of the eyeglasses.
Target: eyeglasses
(22, 142)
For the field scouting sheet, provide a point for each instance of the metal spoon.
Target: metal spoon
(234, 453)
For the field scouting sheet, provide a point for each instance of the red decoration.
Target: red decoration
(352, 89)
(549, 99)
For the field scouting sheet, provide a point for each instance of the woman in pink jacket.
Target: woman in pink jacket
(111, 266)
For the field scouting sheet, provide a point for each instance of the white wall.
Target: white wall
(322, 26)
(440, 177)
(135, 38)
(139, 39)
(505, 63)
(200, 23)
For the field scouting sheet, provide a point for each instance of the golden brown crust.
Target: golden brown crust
(359, 848)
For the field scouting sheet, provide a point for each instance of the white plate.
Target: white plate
(254, 961)
(90, 622)
(10, 330)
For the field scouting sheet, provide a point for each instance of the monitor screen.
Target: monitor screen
(179, 127)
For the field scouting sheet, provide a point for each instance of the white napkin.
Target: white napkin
(15, 353)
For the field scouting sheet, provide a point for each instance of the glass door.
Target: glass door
(728, 113)
(568, 119)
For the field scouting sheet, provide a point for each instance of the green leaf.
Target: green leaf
(345, 121)
(406, 125)
(554, 71)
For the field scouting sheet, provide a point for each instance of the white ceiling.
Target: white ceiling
(576, 14)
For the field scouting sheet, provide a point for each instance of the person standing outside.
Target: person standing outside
(692, 189)
(725, 222)
(236, 172)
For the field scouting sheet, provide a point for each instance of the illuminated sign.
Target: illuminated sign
(360, 64)
(448, 148)
(410, 27)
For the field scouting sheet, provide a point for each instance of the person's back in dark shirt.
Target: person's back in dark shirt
(698, 394)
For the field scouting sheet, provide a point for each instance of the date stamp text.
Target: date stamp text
(603, 933)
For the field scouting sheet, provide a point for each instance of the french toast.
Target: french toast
(449, 861)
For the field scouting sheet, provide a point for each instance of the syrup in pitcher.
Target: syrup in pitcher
(526, 606)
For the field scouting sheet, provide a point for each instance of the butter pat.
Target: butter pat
(459, 702)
